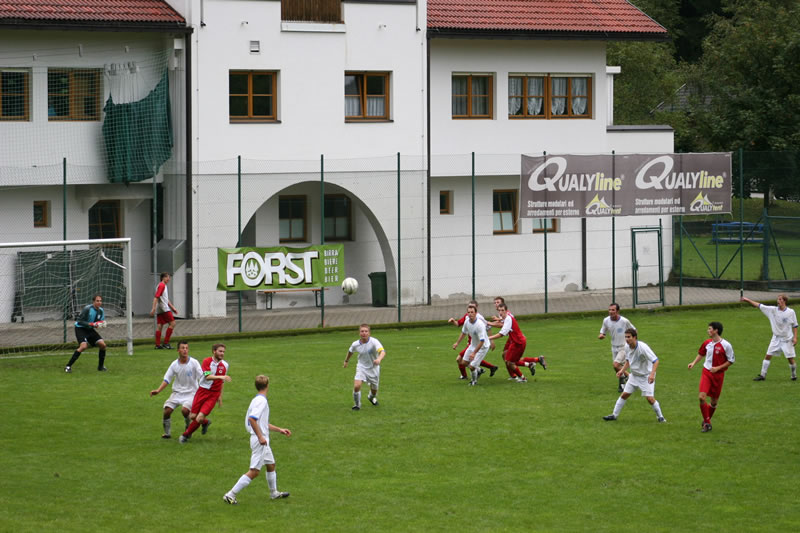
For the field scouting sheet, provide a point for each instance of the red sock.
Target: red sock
(487, 364)
(158, 337)
(512, 373)
(704, 411)
(529, 360)
(463, 371)
(711, 410)
(191, 429)
(519, 372)
(169, 334)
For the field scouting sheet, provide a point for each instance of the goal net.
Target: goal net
(45, 285)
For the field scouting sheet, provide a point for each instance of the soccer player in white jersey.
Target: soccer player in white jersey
(460, 323)
(784, 334)
(370, 355)
(643, 363)
(185, 370)
(476, 329)
(615, 326)
(257, 424)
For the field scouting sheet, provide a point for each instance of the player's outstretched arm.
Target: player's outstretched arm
(282, 431)
(346, 359)
(751, 302)
(696, 359)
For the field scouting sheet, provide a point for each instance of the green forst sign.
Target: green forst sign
(279, 267)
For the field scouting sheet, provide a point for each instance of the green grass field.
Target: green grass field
(82, 452)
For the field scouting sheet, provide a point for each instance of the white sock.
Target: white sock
(764, 367)
(357, 398)
(167, 426)
(619, 405)
(272, 482)
(657, 409)
(793, 368)
(242, 483)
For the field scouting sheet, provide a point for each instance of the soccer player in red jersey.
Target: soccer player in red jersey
(209, 391)
(515, 345)
(718, 354)
(460, 323)
(165, 309)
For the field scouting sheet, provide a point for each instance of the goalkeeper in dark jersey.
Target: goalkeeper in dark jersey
(90, 318)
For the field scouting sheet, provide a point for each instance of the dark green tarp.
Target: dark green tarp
(138, 135)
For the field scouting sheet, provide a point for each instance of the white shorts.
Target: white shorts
(260, 454)
(177, 398)
(370, 375)
(474, 358)
(640, 382)
(778, 345)
(618, 354)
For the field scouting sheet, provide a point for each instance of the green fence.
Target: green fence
(757, 244)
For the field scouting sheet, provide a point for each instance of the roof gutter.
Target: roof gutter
(25, 24)
(549, 35)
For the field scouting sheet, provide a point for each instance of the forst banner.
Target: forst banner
(279, 267)
(563, 186)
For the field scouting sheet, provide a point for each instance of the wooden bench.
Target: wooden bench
(269, 293)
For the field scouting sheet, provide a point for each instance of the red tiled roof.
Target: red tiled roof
(90, 11)
(551, 16)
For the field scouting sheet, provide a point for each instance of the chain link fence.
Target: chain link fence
(417, 235)
(758, 245)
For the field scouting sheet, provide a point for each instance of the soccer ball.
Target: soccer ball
(349, 286)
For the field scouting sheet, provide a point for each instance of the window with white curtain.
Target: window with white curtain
(526, 96)
(549, 96)
(472, 95)
(366, 96)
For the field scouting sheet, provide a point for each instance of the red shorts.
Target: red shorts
(711, 384)
(513, 351)
(165, 318)
(204, 401)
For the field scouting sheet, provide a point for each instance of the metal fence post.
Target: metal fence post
(399, 262)
(473, 225)
(239, 222)
(322, 232)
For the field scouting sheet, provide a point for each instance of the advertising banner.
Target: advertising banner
(563, 186)
(279, 267)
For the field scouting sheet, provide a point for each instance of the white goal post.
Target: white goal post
(49, 282)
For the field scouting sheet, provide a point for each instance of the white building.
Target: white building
(357, 82)
(62, 70)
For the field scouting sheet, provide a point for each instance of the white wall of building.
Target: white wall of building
(310, 67)
(514, 264)
(32, 152)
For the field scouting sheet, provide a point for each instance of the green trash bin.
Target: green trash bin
(378, 280)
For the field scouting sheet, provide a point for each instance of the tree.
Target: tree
(748, 90)
(748, 79)
(649, 73)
